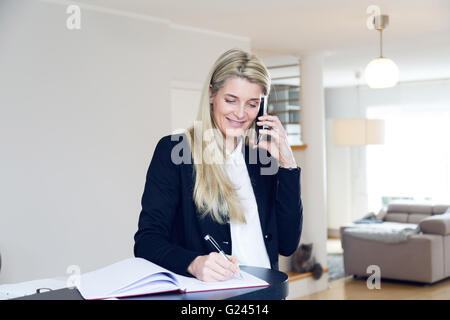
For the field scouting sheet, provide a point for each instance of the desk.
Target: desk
(277, 290)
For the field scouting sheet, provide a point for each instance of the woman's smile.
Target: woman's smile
(235, 123)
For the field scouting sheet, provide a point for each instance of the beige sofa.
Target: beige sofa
(423, 257)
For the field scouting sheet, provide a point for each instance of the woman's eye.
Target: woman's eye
(232, 101)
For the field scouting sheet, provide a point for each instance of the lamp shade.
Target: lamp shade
(349, 132)
(358, 132)
(381, 73)
(374, 131)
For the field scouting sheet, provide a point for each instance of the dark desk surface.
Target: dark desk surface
(277, 290)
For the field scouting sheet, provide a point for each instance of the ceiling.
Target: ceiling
(417, 39)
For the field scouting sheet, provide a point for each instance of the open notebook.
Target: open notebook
(137, 276)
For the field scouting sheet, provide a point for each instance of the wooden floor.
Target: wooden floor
(356, 289)
(350, 288)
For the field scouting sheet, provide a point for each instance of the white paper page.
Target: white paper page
(102, 282)
(192, 284)
(158, 286)
(162, 277)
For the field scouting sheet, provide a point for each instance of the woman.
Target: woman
(230, 190)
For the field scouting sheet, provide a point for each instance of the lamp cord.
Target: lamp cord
(381, 43)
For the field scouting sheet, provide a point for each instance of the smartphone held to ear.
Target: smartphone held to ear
(261, 112)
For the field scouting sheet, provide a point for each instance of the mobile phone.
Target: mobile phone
(261, 112)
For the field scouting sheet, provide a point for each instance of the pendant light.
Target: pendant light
(381, 72)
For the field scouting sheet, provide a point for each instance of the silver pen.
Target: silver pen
(219, 249)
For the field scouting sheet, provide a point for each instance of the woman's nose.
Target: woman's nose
(240, 111)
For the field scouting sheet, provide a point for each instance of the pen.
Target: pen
(218, 248)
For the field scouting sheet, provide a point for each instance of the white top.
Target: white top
(246, 238)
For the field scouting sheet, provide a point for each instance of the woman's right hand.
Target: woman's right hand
(213, 267)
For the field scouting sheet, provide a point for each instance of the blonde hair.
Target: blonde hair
(214, 193)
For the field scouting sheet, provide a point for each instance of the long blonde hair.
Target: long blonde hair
(214, 193)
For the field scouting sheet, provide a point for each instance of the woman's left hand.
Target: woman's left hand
(278, 146)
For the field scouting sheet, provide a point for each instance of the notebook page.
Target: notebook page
(157, 286)
(101, 283)
(194, 285)
(162, 277)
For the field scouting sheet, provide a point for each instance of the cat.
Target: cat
(302, 261)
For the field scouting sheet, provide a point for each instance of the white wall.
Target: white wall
(81, 112)
(347, 184)
(339, 188)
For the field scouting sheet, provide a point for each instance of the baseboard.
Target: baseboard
(301, 285)
(293, 276)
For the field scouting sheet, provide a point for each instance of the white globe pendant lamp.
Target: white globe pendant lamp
(381, 72)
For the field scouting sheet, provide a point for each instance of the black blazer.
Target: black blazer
(170, 230)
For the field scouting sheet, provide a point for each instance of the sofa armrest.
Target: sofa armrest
(436, 224)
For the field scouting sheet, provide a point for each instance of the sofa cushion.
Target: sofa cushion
(396, 217)
(417, 217)
(421, 208)
(398, 207)
(440, 208)
(410, 207)
(436, 224)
